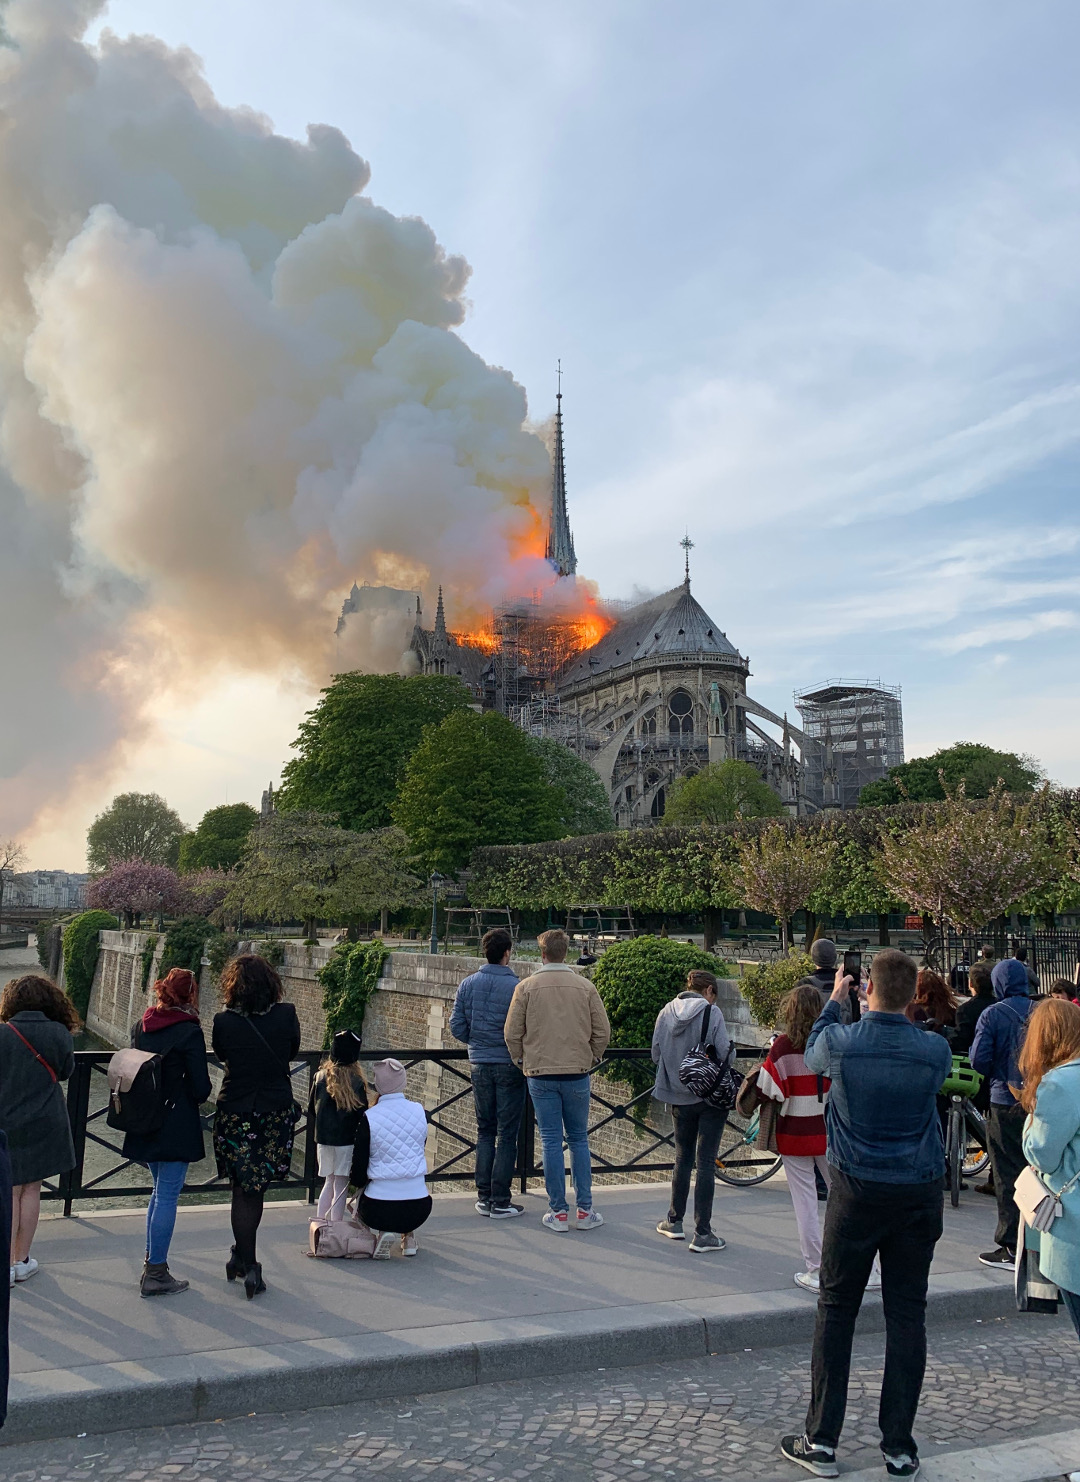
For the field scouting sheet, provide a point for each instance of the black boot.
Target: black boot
(253, 1282)
(234, 1266)
(157, 1281)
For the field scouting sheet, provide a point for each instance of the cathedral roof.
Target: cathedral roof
(673, 624)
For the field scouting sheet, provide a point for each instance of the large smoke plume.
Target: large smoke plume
(229, 385)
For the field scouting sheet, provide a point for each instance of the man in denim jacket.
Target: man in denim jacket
(887, 1164)
(477, 1020)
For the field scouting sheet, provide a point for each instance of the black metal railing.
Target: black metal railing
(1051, 953)
(102, 1172)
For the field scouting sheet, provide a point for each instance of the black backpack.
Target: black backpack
(711, 1080)
(136, 1092)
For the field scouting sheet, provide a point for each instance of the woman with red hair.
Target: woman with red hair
(933, 1004)
(170, 1028)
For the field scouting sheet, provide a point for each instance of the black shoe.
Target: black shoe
(158, 1281)
(987, 1188)
(234, 1266)
(505, 1211)
(817, 1459)
(1003, 1256)
(253, 1282)
(483, 1206)
(902, 1466)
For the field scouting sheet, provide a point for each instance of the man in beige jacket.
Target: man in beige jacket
(557, 1030)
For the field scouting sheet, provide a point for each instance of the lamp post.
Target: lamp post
(161, 911)
(435, 881)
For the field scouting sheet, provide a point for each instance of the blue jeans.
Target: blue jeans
(161, 1211)
(558, 1105)
(499, 1093)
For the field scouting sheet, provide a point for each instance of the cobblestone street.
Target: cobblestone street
(720, 1417)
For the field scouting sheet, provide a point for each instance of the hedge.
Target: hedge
(81, 955)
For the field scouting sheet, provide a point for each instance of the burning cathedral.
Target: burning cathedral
(651, 692)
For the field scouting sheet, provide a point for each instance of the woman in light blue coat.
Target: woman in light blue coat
(1050, 1066)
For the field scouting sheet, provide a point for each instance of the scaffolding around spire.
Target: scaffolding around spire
(560, 542)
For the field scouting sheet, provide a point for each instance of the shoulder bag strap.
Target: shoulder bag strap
(705, 1025)
(285, 1064)
(39, 1058)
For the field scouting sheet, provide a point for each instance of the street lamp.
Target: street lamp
(161, 911)
(435, 881)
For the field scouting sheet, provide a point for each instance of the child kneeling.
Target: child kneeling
(389, 1163)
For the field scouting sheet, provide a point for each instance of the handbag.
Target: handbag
(1037, 1202)
(348, 1239)
(713, 1081)
(298, 1110)
(1034, 1293)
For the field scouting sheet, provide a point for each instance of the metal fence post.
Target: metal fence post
(78, 1104)
(526, 1143)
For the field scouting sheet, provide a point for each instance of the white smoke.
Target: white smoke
(229, 386)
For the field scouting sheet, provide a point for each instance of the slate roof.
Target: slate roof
(674, 623)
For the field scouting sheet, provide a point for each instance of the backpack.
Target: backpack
(713, 1081)
(136, 1092)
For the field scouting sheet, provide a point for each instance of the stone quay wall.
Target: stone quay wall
(410, 1010)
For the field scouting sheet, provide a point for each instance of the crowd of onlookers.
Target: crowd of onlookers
(847, 1095)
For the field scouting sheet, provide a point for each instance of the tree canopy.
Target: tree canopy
(353, 747)
(978, 767)
(476, 779)
(721, 793)
(135, 825)
(587, 809)
(217, 842)
(132, 887)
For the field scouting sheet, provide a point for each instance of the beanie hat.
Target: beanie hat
(389, 1076)
(345, 1048)
(823, 952)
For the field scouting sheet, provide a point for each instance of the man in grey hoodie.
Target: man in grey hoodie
(698, 1126)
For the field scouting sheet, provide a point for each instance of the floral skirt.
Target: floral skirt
(254, 1149)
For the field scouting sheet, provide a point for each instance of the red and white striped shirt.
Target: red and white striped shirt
(800, 1126)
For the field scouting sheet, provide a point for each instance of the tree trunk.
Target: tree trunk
(353, 929)
(883, 929)
(714, 927)
(785, 934)
(811, 929)
(384, 921)
(309, 929)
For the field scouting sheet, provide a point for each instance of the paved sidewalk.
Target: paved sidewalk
(483, 1301)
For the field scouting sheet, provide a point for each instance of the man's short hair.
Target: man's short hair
(894, 976)
(496, 943)
(981, 978)
(554, 944)
(987, 954)
(1020, 954)
(823, 952)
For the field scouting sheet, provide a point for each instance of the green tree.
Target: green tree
(135, 825)
(219, 840)
(353, 747)
(721, 793)
(587, 809)
(978, 767)
(636, 979)
(476, 779)
(779, 871)
(81, 954)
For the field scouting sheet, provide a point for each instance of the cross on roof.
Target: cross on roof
(687, 545)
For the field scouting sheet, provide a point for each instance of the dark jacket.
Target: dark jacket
(480, 1008)
(1000, 1031)
(33, 1110)
(186, 1084)
(968, 1014)
(256, 1074)
(334, 1127)
(824, 980)
(881, 1117)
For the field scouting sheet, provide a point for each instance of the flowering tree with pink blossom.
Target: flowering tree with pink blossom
(779, 870)
(206, 892)
(132, 887)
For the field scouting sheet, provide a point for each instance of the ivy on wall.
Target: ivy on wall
(348, 980)
(147, 963)
(81, 954)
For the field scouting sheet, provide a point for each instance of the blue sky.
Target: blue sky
(812, 273)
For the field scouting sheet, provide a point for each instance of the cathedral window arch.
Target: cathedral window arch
(648, 725)
(680, 714)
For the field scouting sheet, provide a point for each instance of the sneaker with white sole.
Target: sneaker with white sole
(671, 1228)
(560, 1222)
(25, 1269)
(901, 1466)
(1003, 1256)
(708, 1242)
(810, 1281)
(505, 1211)
(817, 1459)
(588, 1219)
(409, 1246)
(483, 1206)
(384, 1245)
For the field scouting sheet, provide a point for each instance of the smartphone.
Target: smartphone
(853, 966)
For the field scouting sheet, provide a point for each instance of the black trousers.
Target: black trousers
(5, 1291)
(401, 1216)
(902, 1223)
(698, 1130)
(1004, 1132)
(499, 1094)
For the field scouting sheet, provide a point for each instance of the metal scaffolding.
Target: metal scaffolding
(858, 731)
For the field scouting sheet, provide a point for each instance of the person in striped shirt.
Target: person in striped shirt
(800, 1125)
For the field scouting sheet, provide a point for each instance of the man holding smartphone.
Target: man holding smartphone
(887, 1167)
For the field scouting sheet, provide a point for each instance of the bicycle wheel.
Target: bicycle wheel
(954, 1152)
(976, 1156)
(738, 1161)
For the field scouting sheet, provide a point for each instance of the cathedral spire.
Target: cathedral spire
(440, 618)
(560, 542)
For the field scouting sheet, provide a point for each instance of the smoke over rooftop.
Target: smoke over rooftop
(229, 386)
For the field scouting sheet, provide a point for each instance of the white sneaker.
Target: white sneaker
(560, 1223)
(810, 1281)
(409, 1246)
(588, 1219)
(23, 1270)
(384, 1245)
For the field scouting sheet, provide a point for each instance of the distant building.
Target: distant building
(48, 890)
(859, 731)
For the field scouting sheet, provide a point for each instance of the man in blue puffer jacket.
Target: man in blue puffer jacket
(994, 1051)
(480, 1009)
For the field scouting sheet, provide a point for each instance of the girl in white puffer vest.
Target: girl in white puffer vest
(389, 1164)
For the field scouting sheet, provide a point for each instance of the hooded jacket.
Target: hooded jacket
(677, 1031)
(1000, 1031)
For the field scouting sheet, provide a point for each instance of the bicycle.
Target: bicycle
(738, 1161)
(966, 1154)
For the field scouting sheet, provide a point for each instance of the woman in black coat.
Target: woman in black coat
(172, 1030)
(37, 1052)
(255, 1039)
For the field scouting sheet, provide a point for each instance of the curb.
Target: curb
(277, 1378)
